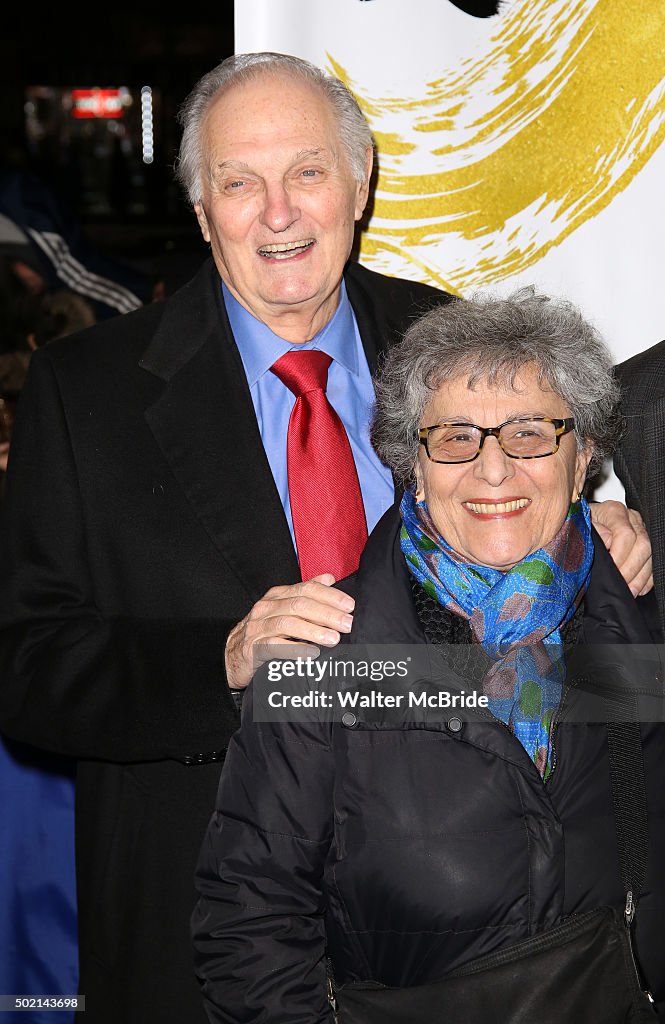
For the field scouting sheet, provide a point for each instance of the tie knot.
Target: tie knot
(302, 371)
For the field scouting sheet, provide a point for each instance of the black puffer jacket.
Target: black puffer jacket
(406, 848)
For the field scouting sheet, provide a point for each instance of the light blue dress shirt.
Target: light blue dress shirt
(350, 392)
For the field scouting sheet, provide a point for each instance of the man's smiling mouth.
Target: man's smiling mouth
(284, 250)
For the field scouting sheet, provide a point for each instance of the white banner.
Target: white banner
(526, 147)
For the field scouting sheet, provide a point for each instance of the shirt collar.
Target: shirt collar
(259, 347)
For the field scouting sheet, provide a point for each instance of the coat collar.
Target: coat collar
(611, 614)
(392, 617)
(189, 321)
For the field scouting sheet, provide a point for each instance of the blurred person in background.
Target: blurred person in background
(55, 252)
(155, 528)
(30, 316)
(21, 318)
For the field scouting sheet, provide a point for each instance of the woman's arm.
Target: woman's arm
(258, 926)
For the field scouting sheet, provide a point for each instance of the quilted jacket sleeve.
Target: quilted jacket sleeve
(258, 926)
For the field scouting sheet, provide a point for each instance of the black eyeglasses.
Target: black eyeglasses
(533, 437)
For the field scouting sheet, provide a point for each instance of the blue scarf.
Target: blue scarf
(516, 615)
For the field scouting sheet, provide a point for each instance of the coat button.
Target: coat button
(658, 676)
(454, 724)
(349, 720)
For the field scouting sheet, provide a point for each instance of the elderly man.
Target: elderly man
(176, 474)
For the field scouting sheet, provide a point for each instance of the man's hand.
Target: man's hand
(4, 455)
(624, 534)
(312, 612)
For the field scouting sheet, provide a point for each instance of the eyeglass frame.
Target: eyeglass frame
(562, 426)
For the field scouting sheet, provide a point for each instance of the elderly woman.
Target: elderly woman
(460, 866)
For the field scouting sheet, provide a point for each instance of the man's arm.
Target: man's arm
(76, 681)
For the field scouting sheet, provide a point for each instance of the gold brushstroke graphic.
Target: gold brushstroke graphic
(507, 154)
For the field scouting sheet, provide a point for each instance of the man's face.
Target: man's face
(280, 202)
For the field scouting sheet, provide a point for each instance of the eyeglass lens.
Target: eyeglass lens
(521, 438)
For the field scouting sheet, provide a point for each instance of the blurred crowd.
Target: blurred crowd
(53, 282)
(31, 315)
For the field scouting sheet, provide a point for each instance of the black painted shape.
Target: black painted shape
(478, 8)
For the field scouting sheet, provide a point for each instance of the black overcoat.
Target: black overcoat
(141, 521)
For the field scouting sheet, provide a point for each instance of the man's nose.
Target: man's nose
(279, 208)
(492, 464)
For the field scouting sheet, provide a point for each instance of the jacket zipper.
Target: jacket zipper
(481, 713)
(332, 999)
(628, 917)
(558, 714)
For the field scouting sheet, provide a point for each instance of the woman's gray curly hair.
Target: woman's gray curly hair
(354, 131)
(488, 340)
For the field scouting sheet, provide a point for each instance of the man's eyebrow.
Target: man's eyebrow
(233, 165)
(304, 154)
(241, 165)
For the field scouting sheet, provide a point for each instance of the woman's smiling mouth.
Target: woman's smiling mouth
(496, 508)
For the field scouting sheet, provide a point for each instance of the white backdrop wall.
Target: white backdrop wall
(523, 148)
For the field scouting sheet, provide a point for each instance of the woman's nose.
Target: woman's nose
(492, 464)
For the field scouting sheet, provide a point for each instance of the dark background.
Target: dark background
(132, 211)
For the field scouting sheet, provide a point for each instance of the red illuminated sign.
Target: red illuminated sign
(97, 103)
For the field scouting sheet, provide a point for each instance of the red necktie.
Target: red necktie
(326, 503)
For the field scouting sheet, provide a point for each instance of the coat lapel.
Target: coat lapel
(651, 488)
(205, 426)
(375, 331)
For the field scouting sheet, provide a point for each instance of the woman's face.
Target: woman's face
(543, 488)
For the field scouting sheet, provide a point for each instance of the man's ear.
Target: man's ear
(203, 221)
(362, 194)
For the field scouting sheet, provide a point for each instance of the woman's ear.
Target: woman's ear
(420, 482)
(582, 461)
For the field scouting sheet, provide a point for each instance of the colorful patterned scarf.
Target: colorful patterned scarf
(516, 615)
